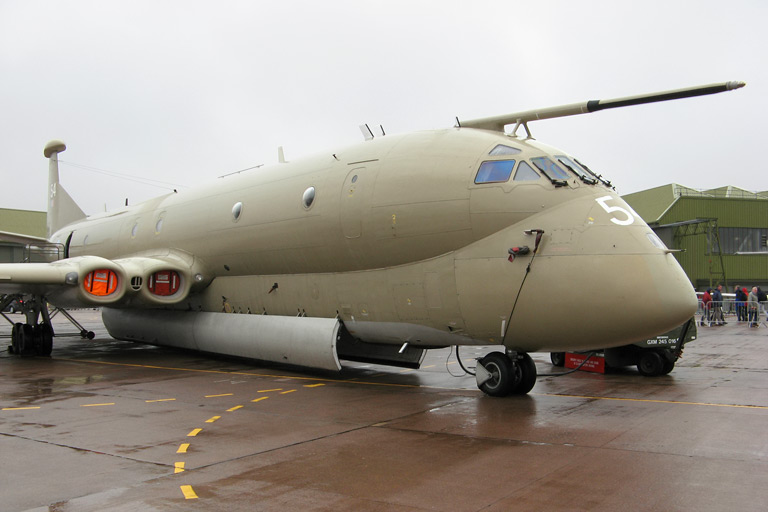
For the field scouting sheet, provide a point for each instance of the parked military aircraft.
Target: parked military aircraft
(375, 252)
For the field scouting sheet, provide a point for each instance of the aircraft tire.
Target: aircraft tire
(503, 372)
(46, 340)
(526, 370)
(15, 334)
(26, 345)
(557, 358)
(651, 364)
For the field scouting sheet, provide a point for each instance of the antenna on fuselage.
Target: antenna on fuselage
(497, 123)
(366, 131)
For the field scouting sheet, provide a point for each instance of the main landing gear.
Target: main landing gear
(499, 374)
(35, 336)
(31, 340)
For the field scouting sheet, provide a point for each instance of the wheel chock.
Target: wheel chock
(482, 375)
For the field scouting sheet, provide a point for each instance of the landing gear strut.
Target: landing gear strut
(498, 374)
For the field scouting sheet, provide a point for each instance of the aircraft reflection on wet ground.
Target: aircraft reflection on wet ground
(107, 425)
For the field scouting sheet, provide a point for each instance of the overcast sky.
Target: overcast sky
(184, 91)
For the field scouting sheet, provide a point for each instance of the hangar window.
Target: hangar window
(743, 240)
(501, 149)
(308, 198)
(495, 172)
(525, 172)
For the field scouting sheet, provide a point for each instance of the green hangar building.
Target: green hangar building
(23, 222)
(722, 233)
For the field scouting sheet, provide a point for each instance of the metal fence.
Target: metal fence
(753, 314)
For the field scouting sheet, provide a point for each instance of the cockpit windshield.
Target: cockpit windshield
(586, 176)
(598, 177)
(551, 170)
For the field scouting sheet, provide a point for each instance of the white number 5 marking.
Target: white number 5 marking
(602, 201)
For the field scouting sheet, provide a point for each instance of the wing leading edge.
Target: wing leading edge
(96, 281)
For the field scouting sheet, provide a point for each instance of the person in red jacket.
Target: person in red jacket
(706, 301)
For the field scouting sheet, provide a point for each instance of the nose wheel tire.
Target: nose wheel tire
(527, 375)
(506, 376)
(502, 374)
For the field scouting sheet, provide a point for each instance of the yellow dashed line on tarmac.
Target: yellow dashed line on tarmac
(211, 420)
(217, 396)
(18, 408)
(188, 492)
(289, 391)
(160, 400)
(194, 432)
(260, 399)
(96, 405)
(178, 467)
(313, 385)
(183, 447)
(233, 409)
(269, 390)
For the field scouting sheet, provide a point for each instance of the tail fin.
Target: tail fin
(62, 209)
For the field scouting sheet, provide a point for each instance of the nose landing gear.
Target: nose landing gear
(499, 374)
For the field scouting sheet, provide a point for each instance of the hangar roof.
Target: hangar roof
(651, 204)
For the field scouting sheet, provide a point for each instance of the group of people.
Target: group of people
(747, 305)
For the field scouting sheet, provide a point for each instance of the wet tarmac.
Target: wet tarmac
(108, 425)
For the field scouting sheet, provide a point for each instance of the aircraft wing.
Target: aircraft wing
(17, 238)
(56, 279)
(96, 281)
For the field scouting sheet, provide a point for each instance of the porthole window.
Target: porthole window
(354, 178)
(308, 198)
(237, 210)
(159, 226)
(134, 230)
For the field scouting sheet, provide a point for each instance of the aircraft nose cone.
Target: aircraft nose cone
(675, 299)
(613, 301)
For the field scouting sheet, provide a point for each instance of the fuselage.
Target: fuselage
(408, 238)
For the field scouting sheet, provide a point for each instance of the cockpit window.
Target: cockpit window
(525, 172)
(551, 170)
(495, 172)
(501, 149)
(586, 177)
